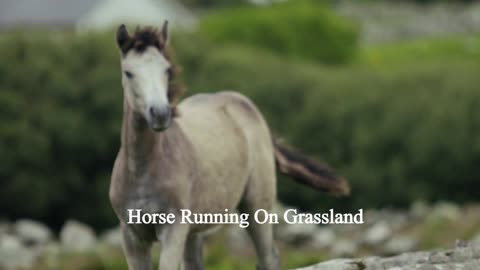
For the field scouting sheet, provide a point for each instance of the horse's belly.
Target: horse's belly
(223, 162)
(222, 176)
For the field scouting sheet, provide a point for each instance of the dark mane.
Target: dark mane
(150, 36)
(145, 37)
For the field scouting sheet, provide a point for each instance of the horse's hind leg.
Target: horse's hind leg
(193, 253)
(262, 236)
(261, 194)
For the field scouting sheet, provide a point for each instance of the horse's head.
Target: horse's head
(147, 74)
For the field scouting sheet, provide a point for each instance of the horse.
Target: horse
(209, 153)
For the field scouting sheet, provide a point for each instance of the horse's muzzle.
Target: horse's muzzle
(159, 118)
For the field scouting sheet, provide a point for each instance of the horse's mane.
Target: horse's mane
(150, 36)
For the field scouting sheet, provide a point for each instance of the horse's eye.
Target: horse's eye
(128, 74)
(169, 73)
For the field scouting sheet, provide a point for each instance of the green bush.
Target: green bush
(300, 29)
(61, 105)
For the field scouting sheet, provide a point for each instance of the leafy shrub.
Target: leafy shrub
(60, 99)
(300, 29)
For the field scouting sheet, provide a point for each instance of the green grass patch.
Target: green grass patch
(465, 48)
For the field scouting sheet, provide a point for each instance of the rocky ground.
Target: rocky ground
(463, 257)
(385, 232)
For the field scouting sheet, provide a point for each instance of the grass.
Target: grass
(442, 232)
(217, 256)
(422, 50)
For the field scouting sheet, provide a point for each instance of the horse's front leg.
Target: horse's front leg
(193, 253)
(172, 241)
(136, 250)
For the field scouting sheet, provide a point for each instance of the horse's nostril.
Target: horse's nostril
(169, 110)
(159, 113)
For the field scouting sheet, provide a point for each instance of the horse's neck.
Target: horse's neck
(139, 142)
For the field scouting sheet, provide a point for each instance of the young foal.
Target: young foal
(216, 154)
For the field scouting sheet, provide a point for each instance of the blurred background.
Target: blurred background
(387, 92)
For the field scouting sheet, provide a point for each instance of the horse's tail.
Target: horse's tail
(305, 170)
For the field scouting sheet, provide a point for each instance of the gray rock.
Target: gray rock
(460, 243)
(459, 258)
(280, 210)
(378, 233)
(398, 221)
(296, 234)
(344, 248)
(14, 255)
(445, 211)
(51, 255)
(4, 228)
(419, 209)
(32, 232)
(322, 238)
(349, 229)
(338, 264)
(112, 237)
(476, 240)
(77, 237)
(400, 244)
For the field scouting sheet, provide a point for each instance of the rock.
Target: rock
(459, 243)
(349, 228)
(467, 258)
(112, 237)
(378, 233)
(296, 234)
(14, 255)
(4, 228)
(398, 221)
(77, 237)
(445, 211)
(322, 238)
(280, 210)
(476, 240)
(343, 248)
(51, 255)
(32, 233)
(338, 264)
(400, 244)
(372, 216)
(419, 209)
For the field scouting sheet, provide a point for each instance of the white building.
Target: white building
(86, 15)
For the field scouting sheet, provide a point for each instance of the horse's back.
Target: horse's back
(217, 100)
(234, 105)
(229, 135)
(227, 111)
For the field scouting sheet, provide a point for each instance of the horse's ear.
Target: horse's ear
(123, 38)
(164, 33)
